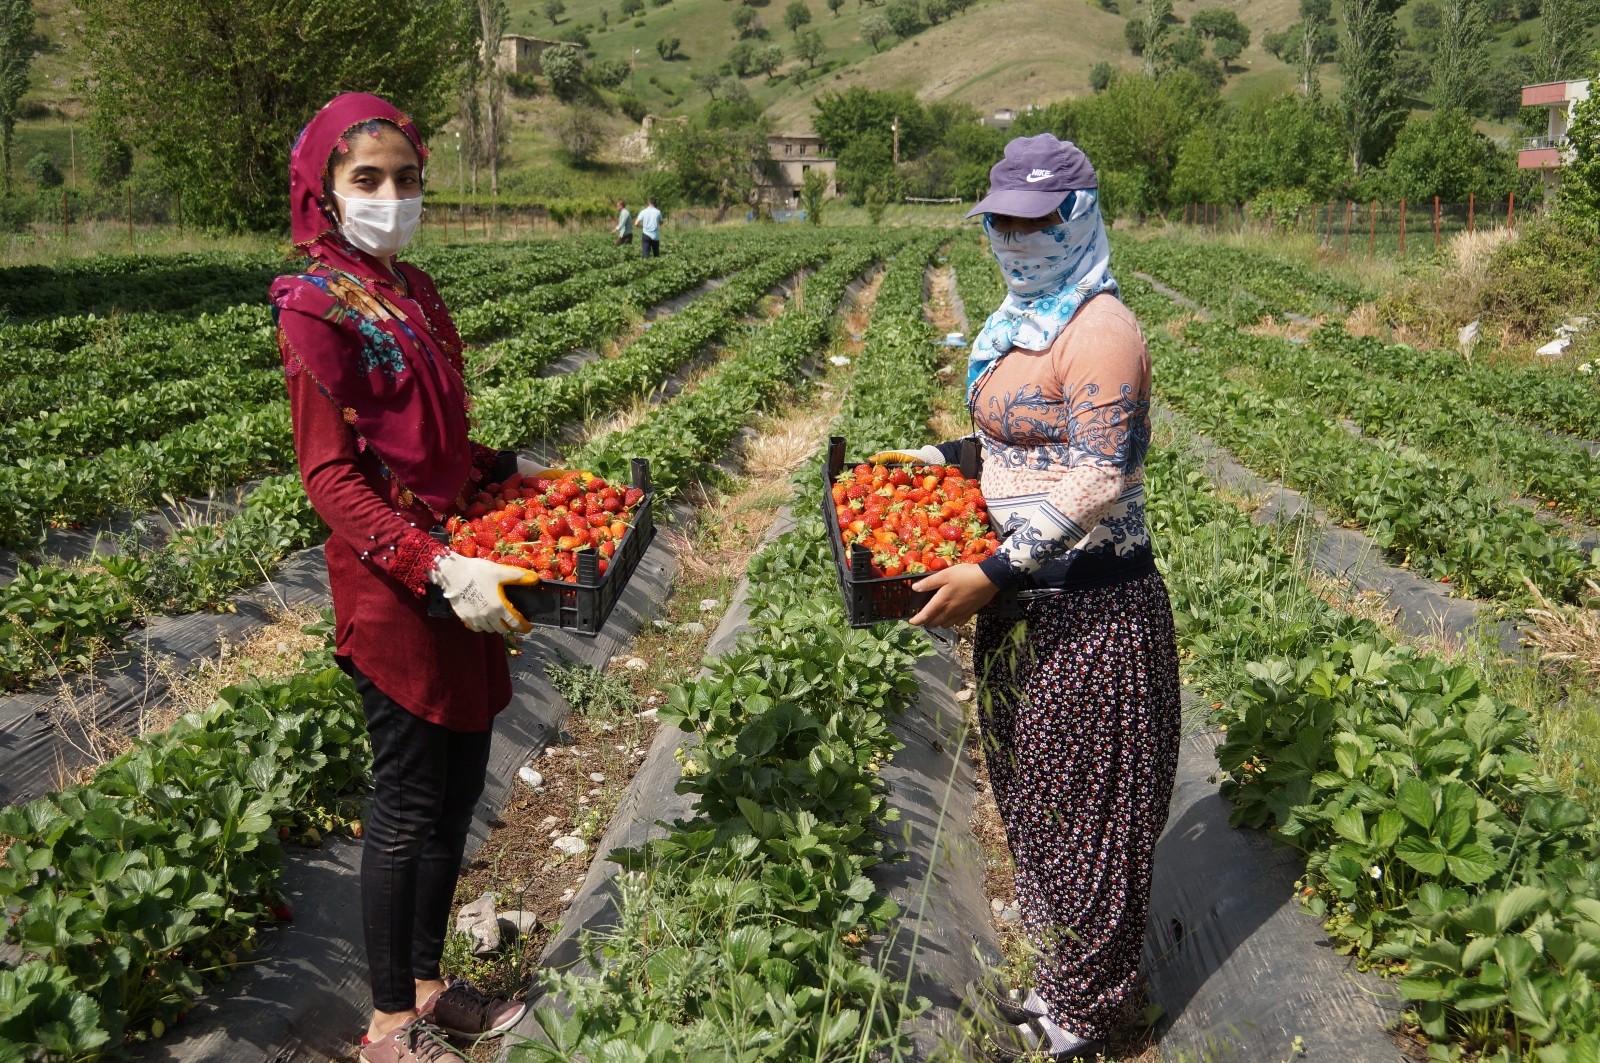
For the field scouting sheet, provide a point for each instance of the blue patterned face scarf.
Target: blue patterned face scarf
(1050, 274)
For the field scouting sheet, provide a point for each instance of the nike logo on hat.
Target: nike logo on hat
(1038, 175)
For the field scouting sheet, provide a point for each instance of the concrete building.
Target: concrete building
(1547, 153)
(795, 155)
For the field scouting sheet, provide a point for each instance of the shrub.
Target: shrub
(43, 171)
(632, 106)
(1550, 267)
(609, 73)
(579, 134)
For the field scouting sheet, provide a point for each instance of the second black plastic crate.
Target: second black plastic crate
(870, 599)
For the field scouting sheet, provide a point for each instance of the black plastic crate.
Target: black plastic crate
(584, 606)
(870, 599)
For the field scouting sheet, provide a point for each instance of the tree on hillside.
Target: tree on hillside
(1133, 33)
(709, 83)
(875, 29)
(1219, 23)
(767, 60)
(553, 10)
(1565, 26)
(16, 55)
(563, 65)
(1373, 110)
(905, 18)
(1226, 49)
(1460, 62)
(834, 6)
(746, 22)
(218, 93)
(797, 14)
(724, 165)
(1100, 76)
(937, 10)
(808, 47)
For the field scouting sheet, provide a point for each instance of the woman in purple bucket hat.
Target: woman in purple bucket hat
(1079, 696)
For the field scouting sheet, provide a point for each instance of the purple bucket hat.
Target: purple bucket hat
(1034, 177)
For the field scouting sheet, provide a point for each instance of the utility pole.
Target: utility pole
(895, 125)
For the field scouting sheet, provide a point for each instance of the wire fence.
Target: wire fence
(1407, 227)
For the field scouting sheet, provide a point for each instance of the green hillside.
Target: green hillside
(995, 54)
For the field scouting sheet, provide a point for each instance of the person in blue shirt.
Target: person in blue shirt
(650, 230)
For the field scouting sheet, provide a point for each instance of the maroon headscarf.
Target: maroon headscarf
(398, 376)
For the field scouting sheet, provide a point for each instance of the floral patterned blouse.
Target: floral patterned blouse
(1064, 434)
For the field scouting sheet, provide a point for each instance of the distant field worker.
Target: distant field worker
(373, 366)
(650, 229)
(1079, 697)
(624, 227)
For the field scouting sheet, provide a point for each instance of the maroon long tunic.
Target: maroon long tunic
(379, 554)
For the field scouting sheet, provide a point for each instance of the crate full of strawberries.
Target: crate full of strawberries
(891, 524)
(582, 535)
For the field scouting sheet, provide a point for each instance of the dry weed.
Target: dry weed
(1285, 330)
(1566, 634)
(1366, 320)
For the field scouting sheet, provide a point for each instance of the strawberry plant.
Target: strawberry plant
(129, 892)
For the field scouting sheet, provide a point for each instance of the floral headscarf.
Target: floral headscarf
(396, 373)
(1050, 274)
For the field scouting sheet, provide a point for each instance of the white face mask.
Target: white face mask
(380, 227)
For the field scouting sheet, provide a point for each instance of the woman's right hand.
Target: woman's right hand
(475, 589)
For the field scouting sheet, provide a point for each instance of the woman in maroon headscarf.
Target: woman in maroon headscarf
(374, 372)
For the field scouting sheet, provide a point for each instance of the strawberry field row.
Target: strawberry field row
(1242, 285)
(739, 934)
(109, 420)
(508, 414)
(1557, 397)
(53, 619)
(1416, 411)
(685, 438)
(606, 313)
(1440, 521)
(217, 451)
(1435, 849)
(128, 892)
(515, 309)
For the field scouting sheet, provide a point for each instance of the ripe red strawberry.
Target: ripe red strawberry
(631, 497)
(486, 540)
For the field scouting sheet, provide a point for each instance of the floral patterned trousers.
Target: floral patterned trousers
(1079, 705)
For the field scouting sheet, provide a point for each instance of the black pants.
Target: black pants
(650, 246)
(426, 780)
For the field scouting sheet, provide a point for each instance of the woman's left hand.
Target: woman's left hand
(959, 592)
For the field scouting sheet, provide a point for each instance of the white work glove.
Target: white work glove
(531, 469)
(475, 588)
(928, 455)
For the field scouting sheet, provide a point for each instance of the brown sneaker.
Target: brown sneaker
(461, 1011)
(417, 1041)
